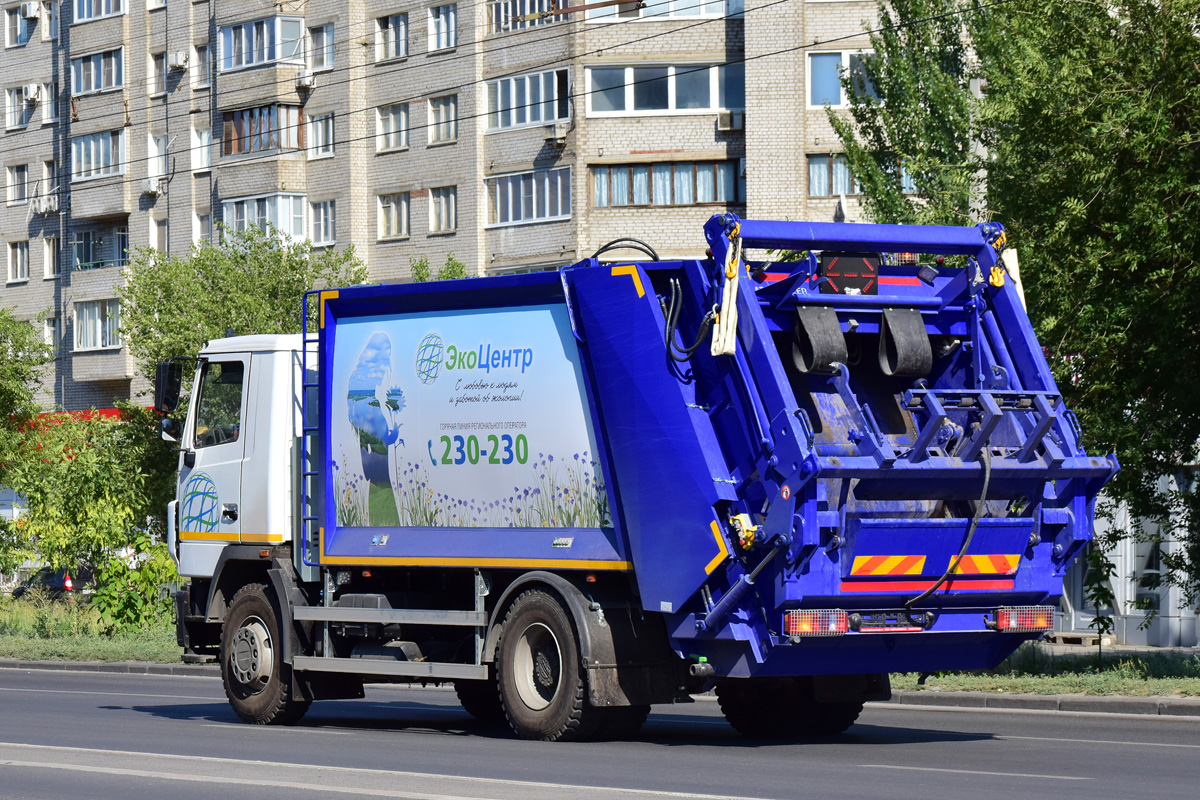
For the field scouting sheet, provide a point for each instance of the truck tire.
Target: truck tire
(833, 718)
(257, 682)
(621, 722)
(782, 708)
(539, 672)
(480, 699)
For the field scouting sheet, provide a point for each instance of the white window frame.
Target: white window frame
(201, 149)
(202, 71)
(506, 192)
(102, 330)
(17, 190)
(49, 103)
(24, 28)
(520, 90)
(515, 15)
(324, 223)
(156, 74)
(284, 130)
(261, 41)
(159, 236)
(440, 123)
(397, 207)
(737, 168)
(844, 67)
(51, 258)
(97, 72)
(321, 131)
(320, 57)
(201, 227)
(88, 10)
(96, 144)
(238, 213)
(443, 27)
(443, 209)
(50, 175)
(51, 334)
(50, 20)
(157, 163)
(667, 9)
(18, 261)
(381, 130)
(391, 33)
(18, 114)
(673, 71)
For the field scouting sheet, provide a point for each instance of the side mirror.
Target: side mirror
(168, 379)
(169, 429)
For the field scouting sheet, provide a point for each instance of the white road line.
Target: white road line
(977, 772)
(1099, 741)
(114, 694)
(292, 728)
(229, 763)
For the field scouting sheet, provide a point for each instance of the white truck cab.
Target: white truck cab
(237, 450)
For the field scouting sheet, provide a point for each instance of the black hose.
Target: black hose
(677, 353)
(630, 244)
(987, 478)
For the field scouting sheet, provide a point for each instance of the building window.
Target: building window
(825, 78)
(253, 130)
(18, 261)
(97, 154)
(320, 139)
(393, 215)
(49, 102)
(50, 176)
(392, 127)
(673, 183)
(159, 238)
(284, 212)
(261, 42)
(443, 27)
(91, 251)
(51, 257)
(95, 9)
(202, 72)
(678, 89)
(98, 71)
(98, 324)
(20, 112)
(443, 209)
(49, 19)
(324, 222)
(157, 164)
(543, 194)
(529, 99)
(201, 149)
(668, 8)
(50, 334)
(443, 119)
(202, 230)
(829, 176)
(18, 183)
(158, 73)
(16, 28)
(391, 37)
(515, 15)
(320, 47)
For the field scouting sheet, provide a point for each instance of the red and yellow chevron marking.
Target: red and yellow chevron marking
(878, 566)
(987, 565)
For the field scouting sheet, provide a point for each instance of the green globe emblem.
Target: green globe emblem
(429, 358)
(200, 501)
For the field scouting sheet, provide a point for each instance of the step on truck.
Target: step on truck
(575, 494)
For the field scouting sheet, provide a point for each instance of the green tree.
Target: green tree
(420, 271)
(23, 356)
(251, 282)
(1092, 161)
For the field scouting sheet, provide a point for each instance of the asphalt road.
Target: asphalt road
(87, 735)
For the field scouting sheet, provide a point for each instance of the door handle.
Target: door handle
(229, 512)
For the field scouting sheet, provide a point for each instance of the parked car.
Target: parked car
(55, 583)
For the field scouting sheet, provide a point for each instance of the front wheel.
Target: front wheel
(539, 673)
(257, 682)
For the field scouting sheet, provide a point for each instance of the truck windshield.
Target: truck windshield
(219, 410)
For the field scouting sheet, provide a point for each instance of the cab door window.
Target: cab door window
(219, 409)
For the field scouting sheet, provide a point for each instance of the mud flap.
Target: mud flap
(817, 342)
(904, 344)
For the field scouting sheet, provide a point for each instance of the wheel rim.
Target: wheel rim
(537, 666)
(252, 657)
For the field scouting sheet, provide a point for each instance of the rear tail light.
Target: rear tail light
(816, 622)
(1022, 619)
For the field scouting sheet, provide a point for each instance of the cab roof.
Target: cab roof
(261, 343)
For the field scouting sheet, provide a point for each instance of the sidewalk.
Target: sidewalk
(1156, 706)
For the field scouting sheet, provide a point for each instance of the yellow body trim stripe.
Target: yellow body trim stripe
(887, 565)
(632, 271)
(330, 295)
(218, 536)
(721, 556)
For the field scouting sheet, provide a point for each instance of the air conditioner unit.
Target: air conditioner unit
(305, 79)
(46, 204)
(731, 120)
(31, 10)
(557, 133)
(154, 186)
(178, 61)
(32, 92)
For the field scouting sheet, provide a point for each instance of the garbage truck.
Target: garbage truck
(823, 453)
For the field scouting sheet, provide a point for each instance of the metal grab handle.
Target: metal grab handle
(229, 512)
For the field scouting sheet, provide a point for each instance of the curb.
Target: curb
(1145, 706)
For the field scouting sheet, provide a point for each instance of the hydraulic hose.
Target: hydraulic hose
(987, 478)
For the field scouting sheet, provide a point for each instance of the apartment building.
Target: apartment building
(496, 131)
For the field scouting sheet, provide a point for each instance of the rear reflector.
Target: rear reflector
(1019, 619)
(816, 622)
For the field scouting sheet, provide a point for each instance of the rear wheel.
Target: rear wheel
(782, 708)
(257, 682)
(539, 673)
(621, 722)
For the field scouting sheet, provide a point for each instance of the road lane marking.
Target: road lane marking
(977, 772)
(243, 726)
(229, 777)
(114, 694)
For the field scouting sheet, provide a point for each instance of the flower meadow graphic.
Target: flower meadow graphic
(463, 419)
(198, 510)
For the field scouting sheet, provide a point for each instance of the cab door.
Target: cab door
(210, 475)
